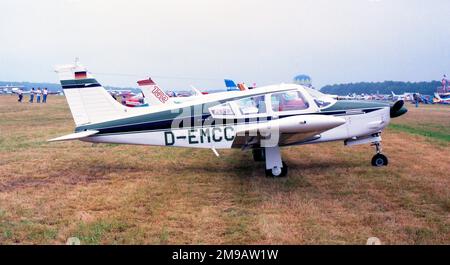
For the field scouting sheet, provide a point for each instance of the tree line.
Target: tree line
(398, 87)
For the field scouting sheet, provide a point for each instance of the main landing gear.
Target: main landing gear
(259, 154)
(379, 160)
(275, 167)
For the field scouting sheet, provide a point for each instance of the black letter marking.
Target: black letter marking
(192, 137)
(231, 136)
(172, 138)
(214, 134)
(205, 132)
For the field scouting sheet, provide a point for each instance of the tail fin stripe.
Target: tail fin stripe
(80, 86)
(79, 81)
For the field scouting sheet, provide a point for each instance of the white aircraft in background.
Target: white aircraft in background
(443, 98)
(154, 95)
(405, 96)
(347, 97)
(12, 89)
(262, 119)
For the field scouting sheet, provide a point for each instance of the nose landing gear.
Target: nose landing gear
(275, 167)
(379, 160)
(277, 172)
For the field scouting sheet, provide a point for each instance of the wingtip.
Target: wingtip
(74, 136)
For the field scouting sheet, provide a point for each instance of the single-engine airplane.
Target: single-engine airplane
(263, 119)
(154, 95)
(407, 96)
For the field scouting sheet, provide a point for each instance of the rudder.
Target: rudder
(88, 101)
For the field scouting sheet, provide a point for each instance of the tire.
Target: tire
(283, 173)
(259, 155)
(379, 160)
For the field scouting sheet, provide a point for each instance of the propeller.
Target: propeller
(398, 109)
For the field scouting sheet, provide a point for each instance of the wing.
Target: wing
(285, 131)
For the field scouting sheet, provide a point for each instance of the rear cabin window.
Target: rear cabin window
(252, 105)
(222, 110)
(288, 101)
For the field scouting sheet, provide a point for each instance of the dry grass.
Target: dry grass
(117, 194)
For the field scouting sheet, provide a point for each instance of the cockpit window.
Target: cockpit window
(288, 101)
(252, 105)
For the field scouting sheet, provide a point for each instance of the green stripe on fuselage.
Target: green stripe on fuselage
(342, 105)
(180, 114)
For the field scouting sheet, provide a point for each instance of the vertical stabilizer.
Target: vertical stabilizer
(152, 93)
(88, 101)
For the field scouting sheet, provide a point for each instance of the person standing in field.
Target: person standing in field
(20, 95)
(416, 99)
(444, 84)
(38, 95)
(44, 95)
(32, 95)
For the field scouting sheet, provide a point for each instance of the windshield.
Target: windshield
(322, 100)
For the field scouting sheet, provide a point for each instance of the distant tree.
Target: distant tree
(425, 88)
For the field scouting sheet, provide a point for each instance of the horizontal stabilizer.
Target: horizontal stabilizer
(74, 136)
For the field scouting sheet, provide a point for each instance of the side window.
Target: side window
(222, 110)
(288, 101)
(252, 105)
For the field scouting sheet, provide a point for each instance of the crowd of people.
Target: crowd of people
(38, 93)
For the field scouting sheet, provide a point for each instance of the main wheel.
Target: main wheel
(259, 155)
(379, 160)
(277, 172)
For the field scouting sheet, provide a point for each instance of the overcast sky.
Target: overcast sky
(266, 42)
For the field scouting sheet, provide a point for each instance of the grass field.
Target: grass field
(117, 194)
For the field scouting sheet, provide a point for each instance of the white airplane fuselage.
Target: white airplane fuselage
(346, 124)
(261, 119)
(222, 137)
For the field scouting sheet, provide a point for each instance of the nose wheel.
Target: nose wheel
(379, 160)
(277, 172)
(275, 167)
